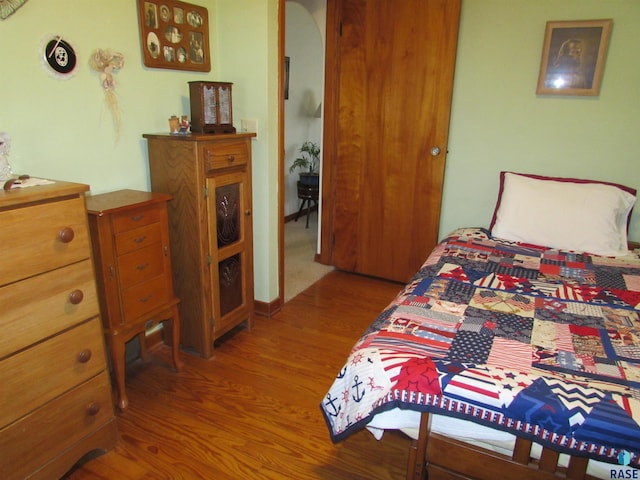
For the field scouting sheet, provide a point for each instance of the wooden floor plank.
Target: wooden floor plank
(252, 411)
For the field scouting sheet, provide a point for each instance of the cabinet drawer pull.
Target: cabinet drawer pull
(142, 267)
(145, 299)
(84, 356)
(66, 234)
(140, 239)
(76, 297)
(137, 218)
(93, 408)
(231, 158)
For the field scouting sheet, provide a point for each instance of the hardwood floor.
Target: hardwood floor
(252, 411)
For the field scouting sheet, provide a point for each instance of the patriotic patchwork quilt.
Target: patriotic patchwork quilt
(542, 343)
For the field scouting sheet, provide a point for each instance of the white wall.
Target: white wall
(305, 47)
(498, 122)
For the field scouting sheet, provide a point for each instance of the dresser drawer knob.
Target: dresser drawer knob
(84, 356)
(231, 159)
(66, 234)
(93, 408)
(76, 297)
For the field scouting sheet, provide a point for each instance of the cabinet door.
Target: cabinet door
(230, 235)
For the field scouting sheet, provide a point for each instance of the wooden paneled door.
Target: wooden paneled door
(390, 67)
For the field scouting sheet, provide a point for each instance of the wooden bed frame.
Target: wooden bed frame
(437, 457)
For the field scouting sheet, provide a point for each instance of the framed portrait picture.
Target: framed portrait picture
(573, 57)
(174, 35)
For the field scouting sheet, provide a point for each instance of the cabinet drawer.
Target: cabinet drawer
(138, 238)
(225, 155)
(143, 298)
(124, 221)
(41, 373)
(141, 265)
(40, 436)
(25, 305)
(42, 237)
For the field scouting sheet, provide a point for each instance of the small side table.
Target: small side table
(308, 194)
(130, 240)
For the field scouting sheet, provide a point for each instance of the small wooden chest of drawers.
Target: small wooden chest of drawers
(56, 395)
(130, 237)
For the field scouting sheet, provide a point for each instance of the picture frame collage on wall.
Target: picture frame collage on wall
(573, 57)
(174, 35)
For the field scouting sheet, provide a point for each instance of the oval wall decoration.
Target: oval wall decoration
(59, 56)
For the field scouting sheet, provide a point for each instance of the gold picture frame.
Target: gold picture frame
(573, 57)
(174, 35)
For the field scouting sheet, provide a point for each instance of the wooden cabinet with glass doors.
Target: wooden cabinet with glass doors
(210, 217)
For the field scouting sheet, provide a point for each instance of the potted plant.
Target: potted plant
(308, 162)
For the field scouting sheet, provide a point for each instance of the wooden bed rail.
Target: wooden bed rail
(437, 457)
(417, 464)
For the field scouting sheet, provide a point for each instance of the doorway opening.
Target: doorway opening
(304, 47)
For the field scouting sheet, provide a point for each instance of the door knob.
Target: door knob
(435, 151)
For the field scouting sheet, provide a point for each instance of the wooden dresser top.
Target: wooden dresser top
(196, 137)
(39, 193)
(122, 200)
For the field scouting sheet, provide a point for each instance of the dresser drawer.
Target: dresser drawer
(42, 237)
(225, 155)
(141, 265)
(124, 221)
(143, 298)
(137, 238)
(36, 375)
(40, 436)
(41, 306)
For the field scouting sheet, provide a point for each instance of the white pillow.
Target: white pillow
(563, 213)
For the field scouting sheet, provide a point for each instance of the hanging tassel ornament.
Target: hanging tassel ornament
(7, 7)
(107, 62)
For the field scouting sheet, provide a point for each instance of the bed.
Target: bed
(513, 348)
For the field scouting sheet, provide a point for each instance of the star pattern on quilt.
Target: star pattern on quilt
(419, 375)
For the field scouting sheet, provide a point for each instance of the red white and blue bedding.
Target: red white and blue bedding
(538, 342)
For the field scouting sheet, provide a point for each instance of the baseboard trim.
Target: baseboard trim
(267, 309)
